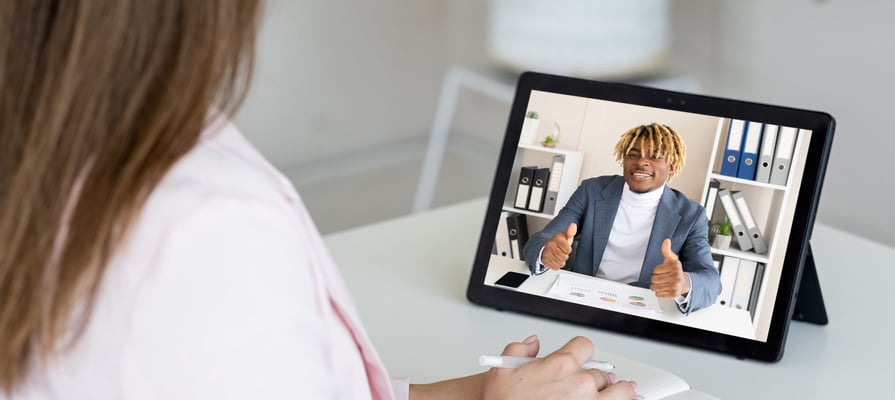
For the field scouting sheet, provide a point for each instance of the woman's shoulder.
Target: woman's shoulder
(223, 172)
(224, 163)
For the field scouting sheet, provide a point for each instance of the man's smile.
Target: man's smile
(642, 175)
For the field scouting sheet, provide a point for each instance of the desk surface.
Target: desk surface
(408, 277)
(715, 318)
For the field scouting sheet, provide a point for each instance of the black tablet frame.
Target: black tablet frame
(797, 251)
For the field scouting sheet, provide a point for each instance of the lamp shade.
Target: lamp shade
(605, 38)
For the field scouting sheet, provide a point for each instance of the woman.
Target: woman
(147, 251)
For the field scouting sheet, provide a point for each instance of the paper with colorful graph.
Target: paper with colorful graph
(602, 293)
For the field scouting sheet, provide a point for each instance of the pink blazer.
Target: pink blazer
(223, 289)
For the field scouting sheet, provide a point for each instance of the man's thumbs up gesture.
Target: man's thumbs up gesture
(558, 248)
(669, 280)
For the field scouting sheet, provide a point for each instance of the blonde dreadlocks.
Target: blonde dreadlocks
(663, 142)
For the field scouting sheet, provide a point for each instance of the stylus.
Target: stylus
(516, 362)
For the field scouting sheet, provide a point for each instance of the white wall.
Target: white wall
(595, 126)
(341, 78)
(833, 56)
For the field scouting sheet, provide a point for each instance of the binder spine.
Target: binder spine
(710, 199)
(502, 237)
(739, 231)
(523, 190)
(538, 189)
(733, 149)
(554, 184)
(786, 140)
(766, 157)
(729, 268)
(749, 157)
(743, 287)
(517, 231)
(749, 223)
(756, 289)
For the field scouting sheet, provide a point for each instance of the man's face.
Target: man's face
(642, 172)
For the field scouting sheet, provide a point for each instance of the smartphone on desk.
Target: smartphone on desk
(511, 279)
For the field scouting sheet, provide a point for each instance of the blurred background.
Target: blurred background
(347, 94)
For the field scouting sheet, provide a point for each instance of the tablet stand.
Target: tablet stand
(809, 300)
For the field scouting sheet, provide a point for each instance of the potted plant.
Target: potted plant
(722, 234)
(552, 140)
(530, 126)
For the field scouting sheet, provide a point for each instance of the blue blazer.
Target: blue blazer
(593, 207)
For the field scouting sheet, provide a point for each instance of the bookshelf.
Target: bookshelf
(772, 206)
(542, 157)
(564, 167)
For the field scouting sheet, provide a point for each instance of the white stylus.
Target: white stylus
(516, 362)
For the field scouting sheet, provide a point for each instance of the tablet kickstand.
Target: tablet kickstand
(809, 300)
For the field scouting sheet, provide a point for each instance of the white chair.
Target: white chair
(455, 79)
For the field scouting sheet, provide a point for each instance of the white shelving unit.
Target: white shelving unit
(542, 157)
(769, 204)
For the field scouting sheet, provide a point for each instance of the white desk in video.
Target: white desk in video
(715, 318)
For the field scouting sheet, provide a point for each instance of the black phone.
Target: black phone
(511, 279)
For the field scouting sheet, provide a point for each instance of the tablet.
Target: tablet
(668, 216)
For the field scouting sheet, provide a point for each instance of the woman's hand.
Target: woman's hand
(557, 376)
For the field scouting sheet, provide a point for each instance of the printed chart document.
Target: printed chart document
(602, 293)
(652, 383)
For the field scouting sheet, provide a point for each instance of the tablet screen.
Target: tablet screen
(673, 216)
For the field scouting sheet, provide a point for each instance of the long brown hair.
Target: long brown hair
(97, 100)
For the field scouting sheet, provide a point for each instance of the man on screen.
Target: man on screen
(633, 228)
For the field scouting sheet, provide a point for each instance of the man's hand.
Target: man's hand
(557, 249)
(669, 280)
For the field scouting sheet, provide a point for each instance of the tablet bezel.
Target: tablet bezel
(821, 124)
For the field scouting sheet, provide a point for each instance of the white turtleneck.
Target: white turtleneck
(626, 248)
(628, 239)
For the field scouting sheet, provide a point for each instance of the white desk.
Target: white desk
(408, 277)
(715, 318)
